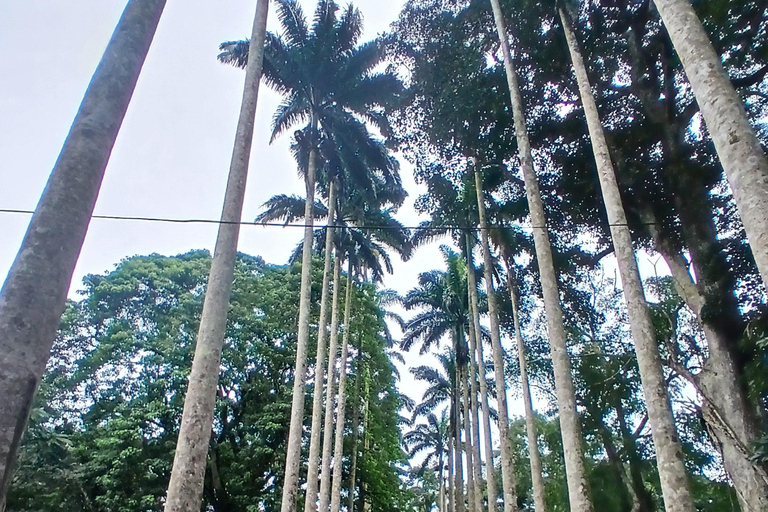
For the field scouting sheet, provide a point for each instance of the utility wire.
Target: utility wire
(296, 225)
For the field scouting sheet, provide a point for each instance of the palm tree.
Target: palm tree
(452, 206)
(327, 79)
(33, 296)
(578, 488)
(669, 454)
(431, 437)
(741, 156)
(186, 485)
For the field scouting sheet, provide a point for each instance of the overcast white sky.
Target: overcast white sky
(173, 151)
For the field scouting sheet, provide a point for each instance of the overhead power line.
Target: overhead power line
(295, 225)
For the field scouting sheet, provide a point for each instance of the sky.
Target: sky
(172, 155)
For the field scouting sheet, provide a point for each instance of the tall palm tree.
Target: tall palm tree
(33, 296)
(186, 484)
(431, 437)
(454, 205)
(328, 80)
(578, 488)
(669, 454)
(742, 158)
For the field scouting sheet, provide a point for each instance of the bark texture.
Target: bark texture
(475, 316)
(338, 448)
(537, 474)
(187, 476)
(355, 430)
(473, 414)
(310, 502)
(669, 454)
(293, 455)
(325, 475)
(578, 488)
(507, 464)
(34, 294)
(741, 156)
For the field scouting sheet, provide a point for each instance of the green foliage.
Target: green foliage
(110, 406)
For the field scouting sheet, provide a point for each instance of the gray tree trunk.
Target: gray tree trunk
(34, 293)
(310, 502)
(507, 463)
(468, 444)
(537, 473)
(578, 487)
(743, 160)
(480, 359)
(458, 460)
(325, 475)
(186, 485)
(293, 455)
(474, 417)
(669, 453)
(338, 448)
(355, 430)
(724, 405)
(451, 480)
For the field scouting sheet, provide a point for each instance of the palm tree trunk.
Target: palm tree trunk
(186, 483)
(325, 475)
(441, 484)
(537, 472)
(669, 454)
(458, 473)
(743, 160)
(310, 502)
(578, 488)
(355, 429)
(451, 480)
(478, 352)
(293, 455)
(507, 464)
(338, 449)
(35, 291)
(468, 450)
(473, 418)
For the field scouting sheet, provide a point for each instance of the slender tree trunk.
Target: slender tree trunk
(441, 478)
(474, 419)
(468, 444)
(637, 482)
(475, 316)
(537, 472)
(458, 472)
(325, 475)
(578, 487)
(451, 480)
(355, 428)
(293, 455)
(186, 484)
(669, 453)
(743, 160)
(507, 464)
(310, 502)
(338, 449)
(35, 291)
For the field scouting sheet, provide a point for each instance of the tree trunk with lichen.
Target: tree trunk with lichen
(34, 294)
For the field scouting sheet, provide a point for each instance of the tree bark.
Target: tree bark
(537, 472)
(355, 429)
(310, 502)
(458, 472)
(741, 156)
(475, 316)
(325, 474)
(186, 483)
(507, 464)
(34, 294)
(468, 444)
(338, 449)
(293, 455)
(669, 454)
(578, 487)
(473, 407)
(451, 480)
